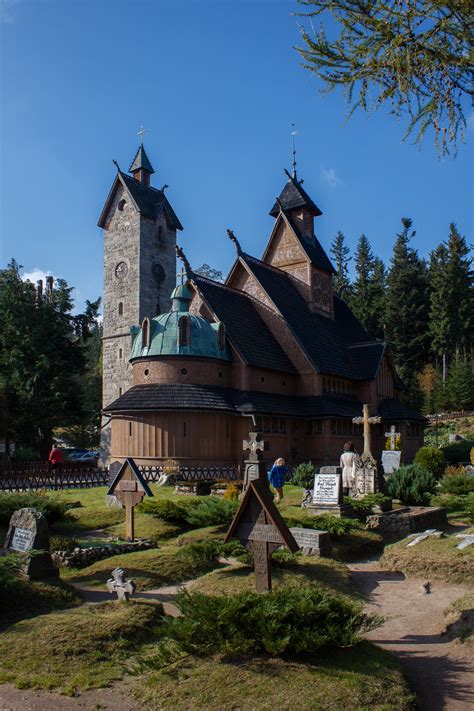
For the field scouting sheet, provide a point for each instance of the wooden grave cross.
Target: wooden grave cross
(393, 434)
(129, 487)
(366, 420)
(259, 526)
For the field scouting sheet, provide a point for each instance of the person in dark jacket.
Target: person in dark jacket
(277, 477)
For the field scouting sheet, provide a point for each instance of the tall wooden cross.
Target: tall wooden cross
(393, 434)
(129, 488)
(366, 420)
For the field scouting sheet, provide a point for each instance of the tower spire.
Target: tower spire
(293, 134)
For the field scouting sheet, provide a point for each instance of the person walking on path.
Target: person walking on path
(277, 478)
(348, 464)
(55, 458)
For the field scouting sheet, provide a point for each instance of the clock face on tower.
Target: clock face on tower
(121, 270)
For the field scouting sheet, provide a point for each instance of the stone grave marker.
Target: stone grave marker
(468, 540)
(118, 584)
(258, 524)
(27, 533)
(312, 542)
(129, 488)
(390, 461)
(366, 480)
(254, 466)
(327, 493)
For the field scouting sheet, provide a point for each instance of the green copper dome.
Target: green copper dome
(180, 333)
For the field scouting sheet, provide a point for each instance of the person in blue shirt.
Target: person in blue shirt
(277, 477)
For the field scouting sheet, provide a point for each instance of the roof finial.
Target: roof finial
(234, 239)
(293, 134)
(141, 133)
(184, 259)
(116, 165)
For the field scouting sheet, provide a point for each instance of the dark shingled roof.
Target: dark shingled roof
(312, 248)
(244, 326)
(151, 201)
(393, 409)
(324, 340)
(367, 357)
(141, 161)
(210, 398)
(293, 196)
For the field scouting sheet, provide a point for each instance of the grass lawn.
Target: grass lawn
(434, 559)
(306, 570)
(21, 598)
(148, 569)
(79, 649)
(362, 677)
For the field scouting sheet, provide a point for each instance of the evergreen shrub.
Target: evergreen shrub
(303, 475)
(432, 460)
(197, 513)
(363, 507)
(172, 511)
(51, 508)
(458, 451)
(458, 485)
(62, 543)
(452, 502)
(291, 621)
(412, 485)
(333, 525)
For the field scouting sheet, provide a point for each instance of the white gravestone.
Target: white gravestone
(22, 540)
(390, 460)
(327, 488)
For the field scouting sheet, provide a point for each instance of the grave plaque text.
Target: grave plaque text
(327, 489)
(22, 540)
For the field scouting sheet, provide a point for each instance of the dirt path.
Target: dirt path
(440, 671)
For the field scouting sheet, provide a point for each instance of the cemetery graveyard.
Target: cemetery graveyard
(125, 571)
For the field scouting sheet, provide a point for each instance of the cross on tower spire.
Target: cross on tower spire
(141, 133)
(293, 134)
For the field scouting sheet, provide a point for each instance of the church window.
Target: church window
(262, 379)
(221, 336)
(129, 429)
(282, 424)
(146, 332)
(160, 234)
(146, 371)
(274, 424)
(120, 309)
(184, 331)
(120, 391)
(120, 353)
(227, 430)
(121, 205)
(184, 371)
(219, 374)
(184, 429)
(266, 424)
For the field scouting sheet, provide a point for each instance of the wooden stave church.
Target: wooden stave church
(294, 356)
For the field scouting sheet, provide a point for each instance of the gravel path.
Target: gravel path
(440, 671)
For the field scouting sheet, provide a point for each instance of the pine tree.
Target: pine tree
(407, 309)
(340, 252)
(460, 384)
(367, 298)
(452, 296)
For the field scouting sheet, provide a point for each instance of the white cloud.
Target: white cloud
(36, 275)
(328, 176)
(6, 13)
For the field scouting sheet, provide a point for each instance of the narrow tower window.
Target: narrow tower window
(121, 205)
(184, 328)
(160, 234)
(120, 308)
(120, 353)
(146, 332)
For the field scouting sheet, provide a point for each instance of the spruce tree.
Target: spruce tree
(367, 298)
(460, 384)
(340, 253)
(407, 309)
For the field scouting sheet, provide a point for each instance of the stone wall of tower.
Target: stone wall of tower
(139, 276)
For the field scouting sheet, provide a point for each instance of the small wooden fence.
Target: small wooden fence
(23, 476)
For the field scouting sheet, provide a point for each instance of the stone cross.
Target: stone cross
(117, 584)
(366, 420)
(255, 446)
(393, 434)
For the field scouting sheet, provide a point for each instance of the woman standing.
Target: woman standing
(277, 477)
(348, 464)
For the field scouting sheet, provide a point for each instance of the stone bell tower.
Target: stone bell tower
(139, 228)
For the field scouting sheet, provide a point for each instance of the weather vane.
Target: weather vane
(141, 133)
(293, 134)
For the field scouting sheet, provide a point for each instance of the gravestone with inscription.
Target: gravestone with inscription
(129, 487)
(312, 542)
(28, 534)
(327, 494)
(259, 526)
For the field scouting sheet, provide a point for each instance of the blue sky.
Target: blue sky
(217, 85)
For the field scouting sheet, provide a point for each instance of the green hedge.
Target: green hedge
(412, 485)
(432, 460)
(197, 513)
(458, 484)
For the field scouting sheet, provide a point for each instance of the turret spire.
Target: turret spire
(141, 168)
(293, 134)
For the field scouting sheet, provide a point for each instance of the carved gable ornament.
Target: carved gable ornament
(284, 247)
